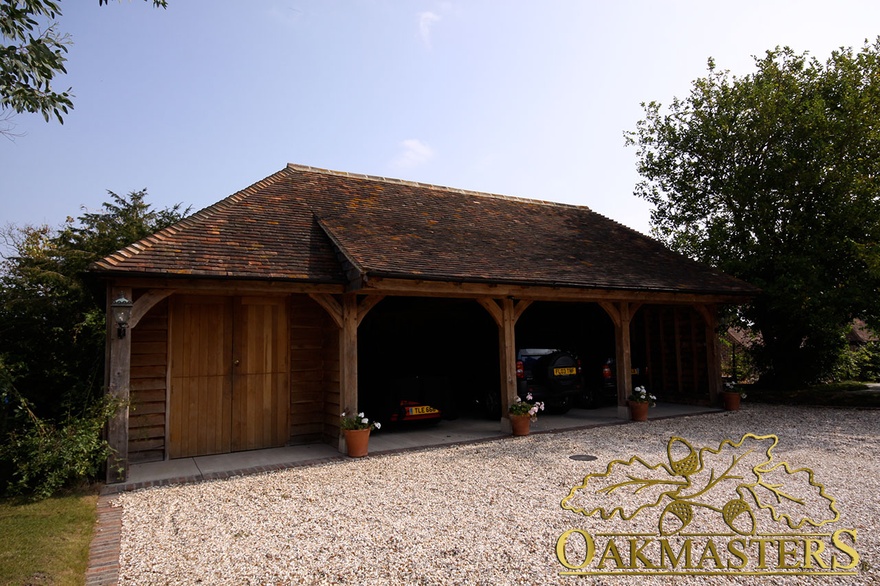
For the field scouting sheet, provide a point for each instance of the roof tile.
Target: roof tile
(290, 225)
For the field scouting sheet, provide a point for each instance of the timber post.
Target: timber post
(713, 351)
(507, 351)
(348, 342)
(118, 388)
(505, 317)
(621, 315)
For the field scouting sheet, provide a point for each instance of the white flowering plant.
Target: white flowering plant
(731, 387)
(641, 395)
(527, 407)
(359, 421)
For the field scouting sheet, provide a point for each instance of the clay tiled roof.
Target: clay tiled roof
(298, 223)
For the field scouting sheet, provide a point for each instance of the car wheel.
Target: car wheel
(560, 405)
(588, 399)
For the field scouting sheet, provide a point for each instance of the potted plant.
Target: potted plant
(522, 413)
(639, 401)
(357, 433)
(732, 396)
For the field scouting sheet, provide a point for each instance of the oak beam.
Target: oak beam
(187, 285)
(429, 288)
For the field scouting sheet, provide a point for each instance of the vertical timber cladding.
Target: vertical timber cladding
(308, 369)
(149, 361)
(230, 379)
(676, 353)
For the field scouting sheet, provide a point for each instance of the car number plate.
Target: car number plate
(564, 371)
(421, 410)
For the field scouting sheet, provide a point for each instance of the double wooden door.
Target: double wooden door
(230, 382)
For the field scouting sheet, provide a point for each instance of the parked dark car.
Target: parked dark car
(605, 392)
(553, 376)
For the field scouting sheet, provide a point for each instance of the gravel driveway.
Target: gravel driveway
(485, 513)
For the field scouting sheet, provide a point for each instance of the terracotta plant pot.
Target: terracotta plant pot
(638, 411)
(520, 424)
(356, 442)
(731, 401)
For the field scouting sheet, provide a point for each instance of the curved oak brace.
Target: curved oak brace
(521, 306)
(493, 309)
(368, 303)
(333, 307)
(490, 305)
(612, 312)
(145, 303)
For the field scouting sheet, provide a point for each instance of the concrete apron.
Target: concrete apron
(462, 430)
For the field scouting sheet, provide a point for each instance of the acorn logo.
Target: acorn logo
(725, 510)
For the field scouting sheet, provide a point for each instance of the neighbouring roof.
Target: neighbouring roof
(860, 333)
(299, 222)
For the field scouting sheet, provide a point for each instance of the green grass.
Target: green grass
(842, 394)
(46, 542)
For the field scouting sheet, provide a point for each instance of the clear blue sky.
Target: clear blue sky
(519, 98)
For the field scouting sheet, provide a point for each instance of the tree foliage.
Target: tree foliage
(32, 53)
(51, 318)
(52, 334)
(773, 177)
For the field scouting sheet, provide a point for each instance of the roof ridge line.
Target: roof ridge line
(396, 181)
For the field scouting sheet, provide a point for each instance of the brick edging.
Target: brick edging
(103, 568)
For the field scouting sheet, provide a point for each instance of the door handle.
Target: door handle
(236, 362)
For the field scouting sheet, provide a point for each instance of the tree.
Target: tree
(31, 56)
(51, 319)
(52, 336)
(773, 177)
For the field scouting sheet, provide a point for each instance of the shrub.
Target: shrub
(861, 363)
(38, 458)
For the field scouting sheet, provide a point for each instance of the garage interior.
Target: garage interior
(443, 352)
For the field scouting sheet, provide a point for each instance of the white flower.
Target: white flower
(361, 414)
(378, 425)
(528, 397)
(365, 421)
(343, 413)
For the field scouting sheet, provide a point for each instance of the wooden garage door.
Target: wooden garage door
(229, 374)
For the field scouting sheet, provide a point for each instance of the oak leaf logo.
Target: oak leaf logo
(734, 481)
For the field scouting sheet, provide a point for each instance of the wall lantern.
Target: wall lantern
(121, 314)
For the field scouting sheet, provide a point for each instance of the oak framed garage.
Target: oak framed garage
(244, 328)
